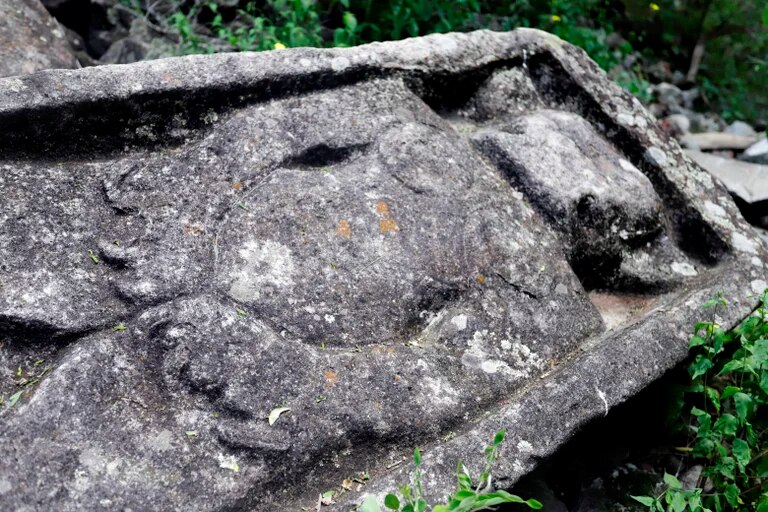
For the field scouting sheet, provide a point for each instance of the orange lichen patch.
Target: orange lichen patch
(237, 185)
(388, 226)
(330, 378)
(193, 229)
(480, 278)
(344, 229)
(383, 349)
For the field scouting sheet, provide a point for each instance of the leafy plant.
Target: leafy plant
(470, 495)
(726, 404)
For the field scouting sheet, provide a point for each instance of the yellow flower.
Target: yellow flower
(555, 18)
(279, 46)
(654, 7)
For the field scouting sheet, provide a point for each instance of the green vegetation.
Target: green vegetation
(720, 45)
(469, 496)
(726, 406)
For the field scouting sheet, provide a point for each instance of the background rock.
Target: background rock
(31, 40)
(757, 152)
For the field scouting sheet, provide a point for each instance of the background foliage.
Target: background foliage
(719, 45)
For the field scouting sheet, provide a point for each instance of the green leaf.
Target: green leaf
(743, 403)
(762, 467)
(732, 495)
(678, 502)
(725, 467)
(392, 502)
(727, 424)
(696, 341)
(700, 366)
(534, 504)
(14, 398)
(499, 437)
(760, 354)
(762, 504)
(714, 397)
(672, 481)
(729, 391)
(764, 381)
(416, 456)
(370, 504)
(741, 452)
(645, 500)
(464, 494)
(731, 366)
(350, 21)
(462, 475)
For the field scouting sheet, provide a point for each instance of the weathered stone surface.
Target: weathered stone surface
(396, 241)
(31, 40)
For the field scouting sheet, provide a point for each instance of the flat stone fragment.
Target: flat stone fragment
(757, 152)
(31, 40)
(230, 282)
(748, 181)
(717, 140)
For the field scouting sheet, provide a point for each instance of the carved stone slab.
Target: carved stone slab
(402, 243)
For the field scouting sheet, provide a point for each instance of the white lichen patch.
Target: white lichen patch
(162, 441)
(228, 462)
(756, 262)
(460, 321)
(656, 156)
(741, 243)
(262, 263)
(718, 215)
(519, 360)
(714, 209)
(524, 447)
(758, 286)
(340, 63)
(683, 268)
(627, 166)
(439, 391)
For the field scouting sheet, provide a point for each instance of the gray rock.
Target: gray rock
(675, 99)
(669, 95)
(189, 244)
(677, 124)
(716, 141)
(704, 122)
(756, 153)
(125, 51)
(741, 128)
(31, 40)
